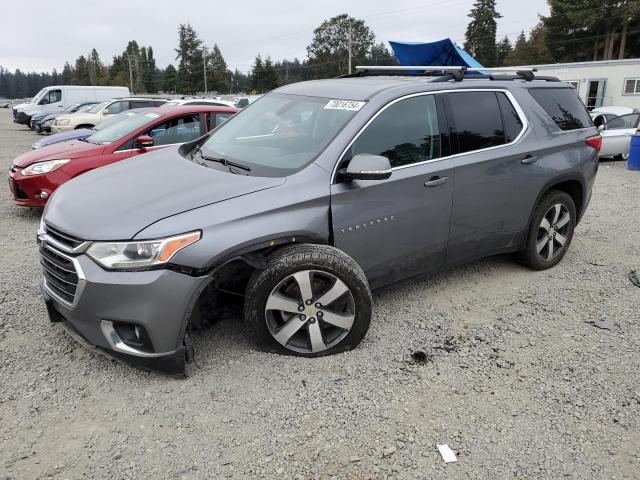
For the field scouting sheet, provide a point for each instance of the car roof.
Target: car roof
(367, 87)
(184, 109)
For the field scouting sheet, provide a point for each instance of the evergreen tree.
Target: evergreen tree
(189, 55)
(481, 32)
(81, 72)
(217, 74)
(170, 79)
(503, 50)
(269, 77)
(256, 73)
(67, 74)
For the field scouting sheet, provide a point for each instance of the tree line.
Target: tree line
(573, 31)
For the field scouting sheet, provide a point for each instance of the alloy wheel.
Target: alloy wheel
(310, 311)
(553, 232)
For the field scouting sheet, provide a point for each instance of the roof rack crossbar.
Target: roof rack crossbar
(424, 68)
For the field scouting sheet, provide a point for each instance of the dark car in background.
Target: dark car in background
(307, 200)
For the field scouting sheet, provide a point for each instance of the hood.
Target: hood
(79, 116)
(117, 201)
(21, 106)
(74, 149)
(77, 134)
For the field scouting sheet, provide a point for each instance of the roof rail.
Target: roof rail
(457, 73)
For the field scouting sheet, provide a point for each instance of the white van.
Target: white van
(57, 98)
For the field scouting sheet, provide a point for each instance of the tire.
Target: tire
(328, 273)
(544, 247)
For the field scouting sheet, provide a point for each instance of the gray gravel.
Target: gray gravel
(514, 376)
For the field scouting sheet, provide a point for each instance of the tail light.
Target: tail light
(594, 142)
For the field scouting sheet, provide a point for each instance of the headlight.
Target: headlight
(143, 254)
(63, 122)
(44, 167)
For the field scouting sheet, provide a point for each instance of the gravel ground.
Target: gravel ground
(514, 377)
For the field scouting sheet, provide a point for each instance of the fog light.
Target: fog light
(44, 195)
(133, 335)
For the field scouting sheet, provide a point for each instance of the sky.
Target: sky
(38, 35)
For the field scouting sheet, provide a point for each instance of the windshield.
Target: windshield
(624, 121)
(280, 133)
(121, 129)
(96, 108)
(113, 119)
(36, 99)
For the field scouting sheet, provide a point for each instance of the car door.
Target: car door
(617, 136)
(494, 190)
(398, 227)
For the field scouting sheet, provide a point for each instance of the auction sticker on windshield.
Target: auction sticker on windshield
(350, 105)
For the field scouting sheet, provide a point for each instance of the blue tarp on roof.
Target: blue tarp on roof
(443, 52)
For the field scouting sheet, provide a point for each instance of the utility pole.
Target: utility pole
(204, 67)
(130, 74)
(350, 37)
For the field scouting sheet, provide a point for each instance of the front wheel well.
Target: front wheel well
(84, 125)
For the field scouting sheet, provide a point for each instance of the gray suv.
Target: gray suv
(310, 198)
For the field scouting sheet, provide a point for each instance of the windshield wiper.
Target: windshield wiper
(223, 161)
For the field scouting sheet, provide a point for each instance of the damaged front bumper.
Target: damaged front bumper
(109, 306)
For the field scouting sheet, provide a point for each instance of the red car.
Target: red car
(36, 174)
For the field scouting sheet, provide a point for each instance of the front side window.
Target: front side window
(176, 130)
(407, 132)
(52, 96)
(280, 133)
(117, 107)
(478, 120)
(624, 121)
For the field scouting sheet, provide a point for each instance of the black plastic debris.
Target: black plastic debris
(604, 324)
(633, 276)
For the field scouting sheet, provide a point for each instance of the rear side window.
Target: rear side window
(477, 119)
(217, 119)
(564, 106)
(510, 119)
(407, 132)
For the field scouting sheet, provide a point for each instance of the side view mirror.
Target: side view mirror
(367, 167)
(144, 141)
(600, 127)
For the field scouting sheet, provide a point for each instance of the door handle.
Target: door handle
(529, 159)
(435, 182)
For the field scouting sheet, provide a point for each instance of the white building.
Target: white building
(601, 83)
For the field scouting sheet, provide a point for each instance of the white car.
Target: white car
(96, 114)
(214, 102)
(616, 135)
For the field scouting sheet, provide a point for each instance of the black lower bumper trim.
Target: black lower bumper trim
(173, 364)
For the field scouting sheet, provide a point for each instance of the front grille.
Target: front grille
(65, 239)
(18, 192)
(60, 274)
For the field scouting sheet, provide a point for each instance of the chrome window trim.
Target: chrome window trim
(512, 99)
(82, 280)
